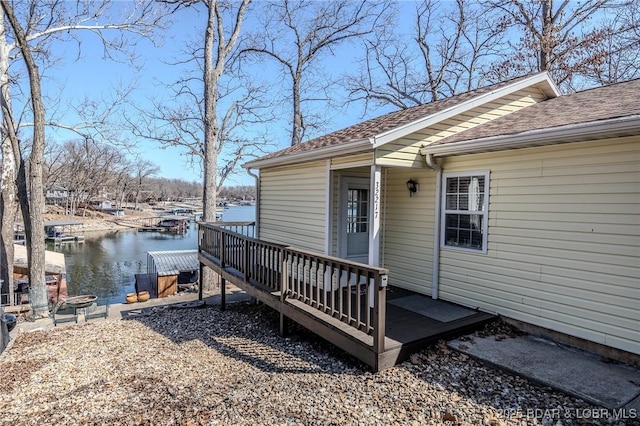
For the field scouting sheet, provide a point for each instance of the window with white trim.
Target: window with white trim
(465, 200)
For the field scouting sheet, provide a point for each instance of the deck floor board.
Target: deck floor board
(406, 331)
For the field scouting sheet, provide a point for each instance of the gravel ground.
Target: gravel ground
(204, 366)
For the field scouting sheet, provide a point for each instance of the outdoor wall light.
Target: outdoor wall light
(412, 186)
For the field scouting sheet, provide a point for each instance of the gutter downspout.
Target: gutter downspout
(435, 278)
(257, 219)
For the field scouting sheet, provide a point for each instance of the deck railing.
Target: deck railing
(353, 293)
(256, 261)
(248, 229)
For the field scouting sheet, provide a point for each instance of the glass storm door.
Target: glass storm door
(355, 219)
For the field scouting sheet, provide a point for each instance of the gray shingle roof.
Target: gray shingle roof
(602, 103)
(392, 120)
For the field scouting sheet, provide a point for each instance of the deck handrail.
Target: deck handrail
(351, 292)
(257, 261)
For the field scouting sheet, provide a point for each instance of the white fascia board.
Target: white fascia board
(391, 135)
(312, 155)
(625, 126)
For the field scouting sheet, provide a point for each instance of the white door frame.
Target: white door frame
(345, 182)
(375, 214)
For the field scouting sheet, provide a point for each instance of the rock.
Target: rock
(448, 417)
(204, 366)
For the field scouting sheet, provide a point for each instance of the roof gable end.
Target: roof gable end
(542, 80)
(375, 132)
(601, 112)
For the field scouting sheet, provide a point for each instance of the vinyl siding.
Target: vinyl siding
(406, 151)
(407, 224)
(352, 161)
(564, 240)
(292, 205)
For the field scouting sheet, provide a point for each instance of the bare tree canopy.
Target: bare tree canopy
(444, 51)
(452, 47)
(567, 39)
(298, 35)
(622, 61)
(26, 53)
(179, 119)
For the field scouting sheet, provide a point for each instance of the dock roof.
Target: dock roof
(172, 262)
(61, 223)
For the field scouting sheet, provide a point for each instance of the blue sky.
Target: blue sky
(90, 75)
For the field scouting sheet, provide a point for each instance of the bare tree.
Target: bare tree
(143, 169)
(179, 122)
(34, 225)
(202, 130)
(211, 115)
(10, 164)
(163, 188)
(90, 171)
(219, 43)
(446, 52)
(44, 22)
(565, 38)
(622, 61)
(297, 34)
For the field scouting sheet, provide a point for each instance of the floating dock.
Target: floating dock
(174, 223)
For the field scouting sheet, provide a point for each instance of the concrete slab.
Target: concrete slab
(119, 311)
(570, 370)
(633, 406)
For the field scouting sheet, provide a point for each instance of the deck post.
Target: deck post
(247, 274)
(223, 283)
(284, 325)
(223, 293)
(201, 243)
(379, 314)
(200, 272)
(284, 321)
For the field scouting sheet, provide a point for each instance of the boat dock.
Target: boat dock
(176, 224)
(59, 232)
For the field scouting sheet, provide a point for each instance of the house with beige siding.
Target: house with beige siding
(511, 199)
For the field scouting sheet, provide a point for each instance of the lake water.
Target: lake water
(106, 263)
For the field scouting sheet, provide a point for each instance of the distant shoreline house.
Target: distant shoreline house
(511, 199)
(56, 195)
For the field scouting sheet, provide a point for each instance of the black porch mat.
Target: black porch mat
(434, 309)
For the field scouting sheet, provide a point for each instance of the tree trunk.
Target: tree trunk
(216, 51)
(8, 179)
(35, 244)
(546, 43)
(296, 132)
(210, 132)
(6, 250)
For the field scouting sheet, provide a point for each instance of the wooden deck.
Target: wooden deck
(342, 302)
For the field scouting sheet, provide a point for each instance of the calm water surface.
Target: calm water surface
(106, 263)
